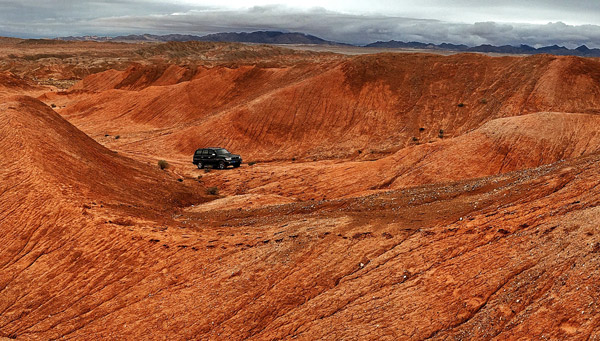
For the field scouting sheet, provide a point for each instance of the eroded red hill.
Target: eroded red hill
(67, 208)
(377, 103)
(499, 146)
(375, 244)
(51, 153)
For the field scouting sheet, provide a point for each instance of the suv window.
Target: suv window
(222, 151)
(198, 152)
(204, 152)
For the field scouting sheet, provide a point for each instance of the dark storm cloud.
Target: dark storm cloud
(69, 17)
(359, 29)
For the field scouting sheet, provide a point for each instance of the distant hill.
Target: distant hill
(269, 37)
(582, 51)
(417, 45)
(259, 37)
(276, 37)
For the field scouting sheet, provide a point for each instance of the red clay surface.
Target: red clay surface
(353, 223)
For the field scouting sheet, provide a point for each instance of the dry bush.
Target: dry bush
(162, 164)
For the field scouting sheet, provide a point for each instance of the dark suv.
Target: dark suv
(216, 157)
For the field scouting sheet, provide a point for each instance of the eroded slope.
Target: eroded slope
(373, 104)
(499, 146)
(98, 245)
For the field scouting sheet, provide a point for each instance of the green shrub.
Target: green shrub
(162, 164)
(460, 105)
(212, 191)
(117, 137)
(252, 163)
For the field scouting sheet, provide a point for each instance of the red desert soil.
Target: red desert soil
(499, 146)
(374, 103)
(489, 229)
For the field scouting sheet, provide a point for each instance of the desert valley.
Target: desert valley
(382, 195)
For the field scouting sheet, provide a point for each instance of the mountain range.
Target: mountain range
(259, 37)
(276, 37)
(582, 51)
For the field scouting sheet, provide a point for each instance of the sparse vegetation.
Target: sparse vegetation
(123, 221)
(483, 101)
(53, 105)
(460, 105)
(251, 163)
(162, 164)
(117, 137)
(441, 134)
(415, 139)
(421, 129)
(212, 191)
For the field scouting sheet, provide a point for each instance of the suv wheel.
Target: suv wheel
(200, 165)
(221, 165)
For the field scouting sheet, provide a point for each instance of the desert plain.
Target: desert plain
(383, 196)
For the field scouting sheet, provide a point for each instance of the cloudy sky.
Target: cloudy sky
(472, 22)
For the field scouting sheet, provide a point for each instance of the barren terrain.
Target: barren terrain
(383, 196)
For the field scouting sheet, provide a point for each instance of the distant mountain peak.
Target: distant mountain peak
(582, 51)
(259, 37)
(278, 37)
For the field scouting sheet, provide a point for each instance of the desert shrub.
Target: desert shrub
(162, 164)
(53, 105)
(460, 105)
(212, 191)
(421, 129)
(251, 163)
(441, 133)
(415, 139)
(117, 137)
(483, 101)
(123, 222)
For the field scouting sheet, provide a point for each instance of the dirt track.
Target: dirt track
(489, 230)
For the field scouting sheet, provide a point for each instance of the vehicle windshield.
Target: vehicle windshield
(222, 151)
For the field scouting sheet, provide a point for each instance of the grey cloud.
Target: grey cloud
(34, 18)
(161, 18)
(575, 11)
(359, 29)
